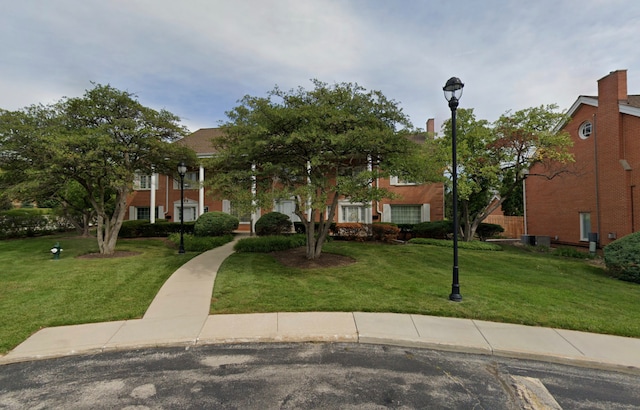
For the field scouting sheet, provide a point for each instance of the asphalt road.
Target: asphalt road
(308, 376)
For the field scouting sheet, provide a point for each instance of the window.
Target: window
(142, 182)
(190, 181)
(242, 216)
(406, 214)
(144, 213)
(287, 207)
(585, 130)
(352, 213)
(585, 225)
(398, 181)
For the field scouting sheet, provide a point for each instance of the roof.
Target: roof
(200, 141)
(633, 100)
(629, 106)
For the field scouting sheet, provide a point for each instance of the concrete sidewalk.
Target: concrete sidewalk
(179, 315)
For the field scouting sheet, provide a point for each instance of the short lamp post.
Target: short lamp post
(182, 171)
(452, 92)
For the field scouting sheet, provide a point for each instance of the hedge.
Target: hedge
(266, 244)
(20, 223)
(194, 243)
(144, 229)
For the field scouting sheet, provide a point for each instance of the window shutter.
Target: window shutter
(386, 213)
(425, 215)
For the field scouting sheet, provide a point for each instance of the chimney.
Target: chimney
(431, 128)
(613, 87)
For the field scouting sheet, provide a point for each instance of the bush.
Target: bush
(352, 231)
(215, 224)
(273, 223)
(145, 229)
(299, 227)
(475, 245)
(266, 244)
(385, 232)
(486, 230)
(444, 230)
(20, 223)
(622, 258)
(200, 243)
(434, 229)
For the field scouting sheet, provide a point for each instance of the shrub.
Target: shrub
(622, 258)
(434, 229)
(18, 223)
(299, 227)
(266, 244)
(352, 231)
(145, 229)
(200, 243)
(475, 245)
(385, 232)
(486, 230)
(273, 223)
(215, 224)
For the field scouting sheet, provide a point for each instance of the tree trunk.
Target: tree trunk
(109, 227)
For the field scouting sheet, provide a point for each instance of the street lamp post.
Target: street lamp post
(452, 92)
(182, 170)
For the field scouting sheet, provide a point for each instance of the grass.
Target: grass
(37, 291)
(513, 286)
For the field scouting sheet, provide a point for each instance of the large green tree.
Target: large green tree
(99, 140)
(493, 158)
(316, 147)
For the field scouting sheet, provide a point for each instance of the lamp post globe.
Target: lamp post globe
(182, 171)
(452, 93)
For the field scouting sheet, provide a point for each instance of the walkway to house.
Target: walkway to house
(179, 315)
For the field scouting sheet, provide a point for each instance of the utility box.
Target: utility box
(593, 241)
(528, 240)
(543, 241)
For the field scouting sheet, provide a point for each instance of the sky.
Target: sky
(198, 58)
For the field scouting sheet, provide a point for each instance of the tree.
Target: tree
(315, 147)
(99, 141)
(493, 158)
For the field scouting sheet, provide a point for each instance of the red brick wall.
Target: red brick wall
(553, 207)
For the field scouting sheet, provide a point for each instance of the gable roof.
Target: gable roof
(200, 141)
(630, 106)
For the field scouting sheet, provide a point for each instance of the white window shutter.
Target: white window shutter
(132, 213)
(226, 206)
(386, 213)
(425, 214)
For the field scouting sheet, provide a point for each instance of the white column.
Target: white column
(201, 192)
(152, 205)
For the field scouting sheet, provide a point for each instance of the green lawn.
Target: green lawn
(37, 291)
(512, 286)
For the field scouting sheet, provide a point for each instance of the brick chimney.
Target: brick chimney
(431, 128)
(613, 87)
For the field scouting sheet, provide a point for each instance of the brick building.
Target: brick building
(416, 202)
(601, 192)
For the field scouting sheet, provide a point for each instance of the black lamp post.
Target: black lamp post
(182, 170)
(452, 92)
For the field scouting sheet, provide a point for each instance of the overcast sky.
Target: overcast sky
(197, 58)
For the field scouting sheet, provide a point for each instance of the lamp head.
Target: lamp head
(182, 168)
(453, 89)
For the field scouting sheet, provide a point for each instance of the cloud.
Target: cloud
(196, 58)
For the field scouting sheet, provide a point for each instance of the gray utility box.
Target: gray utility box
(534, 240)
